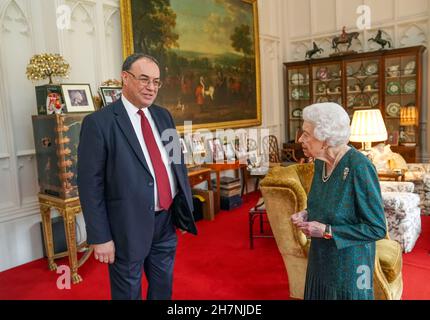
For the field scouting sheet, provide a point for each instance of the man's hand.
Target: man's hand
(104, 252)
(299, 217)
(312, 229)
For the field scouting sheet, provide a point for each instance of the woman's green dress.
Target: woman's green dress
(350, 201)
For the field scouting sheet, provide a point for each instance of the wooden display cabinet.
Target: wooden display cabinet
(390, 80)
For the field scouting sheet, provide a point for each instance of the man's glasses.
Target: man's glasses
(146, 81)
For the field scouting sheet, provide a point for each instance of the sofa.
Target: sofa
(285, 190)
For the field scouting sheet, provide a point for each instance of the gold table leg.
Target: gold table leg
(70, 227)
(47, 236)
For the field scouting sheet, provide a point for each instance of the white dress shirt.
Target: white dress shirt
(135, 121)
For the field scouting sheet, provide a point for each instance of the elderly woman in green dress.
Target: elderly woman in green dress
(344, 215)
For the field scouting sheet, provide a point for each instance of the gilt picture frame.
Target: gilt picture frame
(211, 78)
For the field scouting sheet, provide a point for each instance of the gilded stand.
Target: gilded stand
(68, 209)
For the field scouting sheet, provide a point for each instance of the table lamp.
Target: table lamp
(408, 116)
(408, 119)
(367, 127)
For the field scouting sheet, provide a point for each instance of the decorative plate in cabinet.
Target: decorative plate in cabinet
(393, 88)
(297, 113)
(393, 109)
(297, 79)
(296, 93)
(322, 73)
(410, 68)
(371, 69)
(410, 86)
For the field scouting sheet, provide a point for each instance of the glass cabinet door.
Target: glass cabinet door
(362, 84)
(401, 112)
(299, 98)
(327, 83)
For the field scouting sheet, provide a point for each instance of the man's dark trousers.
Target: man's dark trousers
(126, 277)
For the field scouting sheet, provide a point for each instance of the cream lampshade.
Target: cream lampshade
(367, 127)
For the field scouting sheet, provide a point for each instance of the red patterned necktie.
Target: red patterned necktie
(163, 185)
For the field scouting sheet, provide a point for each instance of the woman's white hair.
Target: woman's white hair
(331, 122)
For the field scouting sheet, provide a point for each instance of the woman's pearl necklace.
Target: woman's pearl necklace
(325, 177)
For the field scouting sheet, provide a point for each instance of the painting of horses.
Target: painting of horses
(208, 52)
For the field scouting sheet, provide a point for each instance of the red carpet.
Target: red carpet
(215, 265)
(416, 266)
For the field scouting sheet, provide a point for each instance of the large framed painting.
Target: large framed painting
(209, 56)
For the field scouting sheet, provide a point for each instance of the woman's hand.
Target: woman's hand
(312, 229)
(298, 217)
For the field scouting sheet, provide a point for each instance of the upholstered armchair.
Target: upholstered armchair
(403, 213)
(285, 192)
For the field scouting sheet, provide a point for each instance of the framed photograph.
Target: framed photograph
(240, 148)
(217, 150)
(211, 149)
(198, 144)
(393, 138)
(110, 94)
(229, 151)
(77, 98)
(210, 57)
(253, 159)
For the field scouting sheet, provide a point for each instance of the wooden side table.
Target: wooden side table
(68, 209)
(198, 174)
(218, 167)
(396, 176)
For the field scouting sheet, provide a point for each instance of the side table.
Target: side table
(396, 176)
(68, 209)
(219, 167)
(198, 174)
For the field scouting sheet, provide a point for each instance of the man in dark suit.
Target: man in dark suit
(133, 185)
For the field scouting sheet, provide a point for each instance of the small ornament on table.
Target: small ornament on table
(42, 66)
(47, 65)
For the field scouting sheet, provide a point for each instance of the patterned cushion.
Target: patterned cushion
(390, 258)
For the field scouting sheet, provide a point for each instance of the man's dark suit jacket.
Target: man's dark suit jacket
(116, 188)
